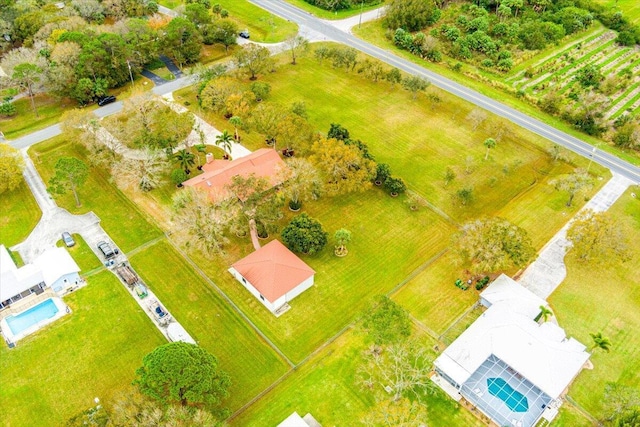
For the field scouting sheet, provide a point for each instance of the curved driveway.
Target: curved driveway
(335, 31)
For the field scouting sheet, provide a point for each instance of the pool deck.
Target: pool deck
(12, 338)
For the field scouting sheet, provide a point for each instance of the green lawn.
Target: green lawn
(326, 14)
(420, 139)
(374, 32)
(82, 254)
(119, 217)
(596, 298)
(19, 215)
(389, 241)
(25, 121)
(629, 8)
(263, 26)
(93, 352)
(326, 386)
(432, 298)
(211, 321)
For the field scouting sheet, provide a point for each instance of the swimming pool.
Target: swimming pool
(502, 390)
(36, 314)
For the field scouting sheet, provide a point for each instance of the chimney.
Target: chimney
(209, 157)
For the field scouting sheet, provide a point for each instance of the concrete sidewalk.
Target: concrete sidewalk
(548, 271)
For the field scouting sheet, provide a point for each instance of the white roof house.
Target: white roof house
(295, 420)
(506, 345)
(46, 269)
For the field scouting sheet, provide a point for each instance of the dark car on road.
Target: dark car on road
(106, 250)
(67, 239)
(244, 34)
(102, 101)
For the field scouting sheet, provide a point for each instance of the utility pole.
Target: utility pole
(361, 7)
(130, 75)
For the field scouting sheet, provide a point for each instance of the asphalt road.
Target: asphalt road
(307, 22)
(55, 130)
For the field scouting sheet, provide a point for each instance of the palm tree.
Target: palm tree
(235, 121)
(200, 148)
(545, 313)
(600, 342)
(489, 143)
(185, 159)
(224, 141)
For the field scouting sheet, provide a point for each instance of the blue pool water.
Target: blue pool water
(503, 391)
(45, 310)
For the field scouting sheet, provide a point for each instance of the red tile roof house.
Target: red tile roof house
(217, 174)
(274, 275)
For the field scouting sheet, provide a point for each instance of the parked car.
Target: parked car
(244, 34)
(67, 239)
(102, 101)
(141, 290)
(106, 250)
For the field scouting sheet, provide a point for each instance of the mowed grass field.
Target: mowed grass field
(19, 215)
(262, 25)
(327, 388)
(388, 242)
(374, 32)
(630, 8)
(211, 321)
(93, 352)
(123, 221)
(596, 298)
(421, 138)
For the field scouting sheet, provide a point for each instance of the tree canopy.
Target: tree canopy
(184, 374)
(11, 166)
(492, 244)
(70, 174)
(344, 167)
(596, 236)
(304, 234)
(387, 322)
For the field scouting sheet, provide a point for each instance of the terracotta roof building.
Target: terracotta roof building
(217, 174)
(274, 275)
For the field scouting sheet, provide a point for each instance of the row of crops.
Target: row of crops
(620, 67)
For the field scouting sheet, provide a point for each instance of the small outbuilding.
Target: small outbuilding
(274, 275)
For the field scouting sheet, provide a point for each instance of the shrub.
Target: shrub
(178, 176)
(395, 185)
(383, 172)
(7, 109)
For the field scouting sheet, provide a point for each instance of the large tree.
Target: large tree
(182, 373)
(573, 183)
(199, 223)
(254, 198)
(492, 244)
(70, 174)
(182, 41)
(304, 234)
(343, 167)
(253, 59)
(301, 181)
(621, 405)
(144, 172)
(596, 236)
(404, 367)
(11, 166)
(387, 322)
(27, 76)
